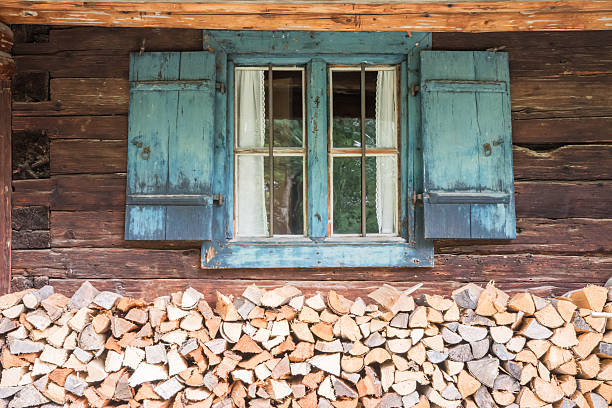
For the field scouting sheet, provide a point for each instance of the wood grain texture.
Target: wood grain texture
(454, 17)
(75, 127)
(88, 156)
(573, 236)
(562, 130)
(569, 162)
(566, 236)
(148, 264)
(5, 185)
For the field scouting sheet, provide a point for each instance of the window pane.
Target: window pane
(381, 195)
(288, 195)
(252, 105)
(288, 98)
(381, 108)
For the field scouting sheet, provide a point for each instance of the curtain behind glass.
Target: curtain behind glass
(251, 133)
(386, 166)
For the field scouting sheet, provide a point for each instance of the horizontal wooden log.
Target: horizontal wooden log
(100, 229)
(74, 127)
(570, 162)
(425, 16)
(562, 130)
(531, 98)
(32, 192)
(556, 97)
(103, 229)
(541, 199)
(150, 289)
(86, 192)
(535, 235)
(563, 199)
(109, 263)
(88, 156)
(570, 236)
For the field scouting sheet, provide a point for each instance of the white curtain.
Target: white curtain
(251, 133)
(386, 166)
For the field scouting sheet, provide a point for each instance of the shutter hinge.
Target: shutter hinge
(416, 197)
(220, 86)
(414, 89)
(218, 199)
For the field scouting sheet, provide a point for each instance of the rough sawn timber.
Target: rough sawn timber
(476, 16)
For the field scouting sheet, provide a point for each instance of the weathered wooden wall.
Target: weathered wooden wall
(71, 101)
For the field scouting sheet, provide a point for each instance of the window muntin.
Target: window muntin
(380, 107)
(259, 210)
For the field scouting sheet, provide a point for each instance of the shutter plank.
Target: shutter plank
(170, 153)
(468, 181)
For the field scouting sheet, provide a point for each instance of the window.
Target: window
(319, 149)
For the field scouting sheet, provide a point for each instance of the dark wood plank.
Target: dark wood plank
(556, 97)
(119, 40)
(570, 162)
(99, 96)
(570, 236)
(88, 192)
(88, 156)
(32, 192)
(74, 127)
(101, 229)
(150, 289)
(5, 183)
(562, 130)
(563, 199)
(540, 54)
(574, 236)
(109, 263)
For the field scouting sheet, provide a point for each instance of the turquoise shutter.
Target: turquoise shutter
(468, 189)
(170, 146)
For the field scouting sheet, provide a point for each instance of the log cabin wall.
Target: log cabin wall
(70, 104)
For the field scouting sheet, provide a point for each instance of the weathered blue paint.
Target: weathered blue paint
(467, 145)
(310, 42)
(170, 153)
(334, 59)
(318, 250)
(316, 127)
(222, 183)
(313, 255)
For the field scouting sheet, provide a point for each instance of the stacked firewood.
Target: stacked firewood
(479, 348)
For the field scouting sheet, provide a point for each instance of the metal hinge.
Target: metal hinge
(218, 199)
(220, 86)
(414, 89)
(416, 197)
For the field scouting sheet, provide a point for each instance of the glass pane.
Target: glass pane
(288, 98)
(252, 105)
(251, 193)
(381, 195)
(288, 195)
(381, 108)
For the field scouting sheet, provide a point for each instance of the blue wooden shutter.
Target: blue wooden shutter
(170, 146)
(467, 145)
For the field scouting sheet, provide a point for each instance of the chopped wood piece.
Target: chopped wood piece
(467, 384)
(484, 370)
(534, 330)
(546, 391)
(549, 317)
(592, 297)
(522, 302)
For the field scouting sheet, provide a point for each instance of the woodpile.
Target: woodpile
(279, 348)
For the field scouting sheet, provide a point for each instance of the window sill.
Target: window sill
(305, 253)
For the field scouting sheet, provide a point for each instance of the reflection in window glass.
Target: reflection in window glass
(381, 155)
